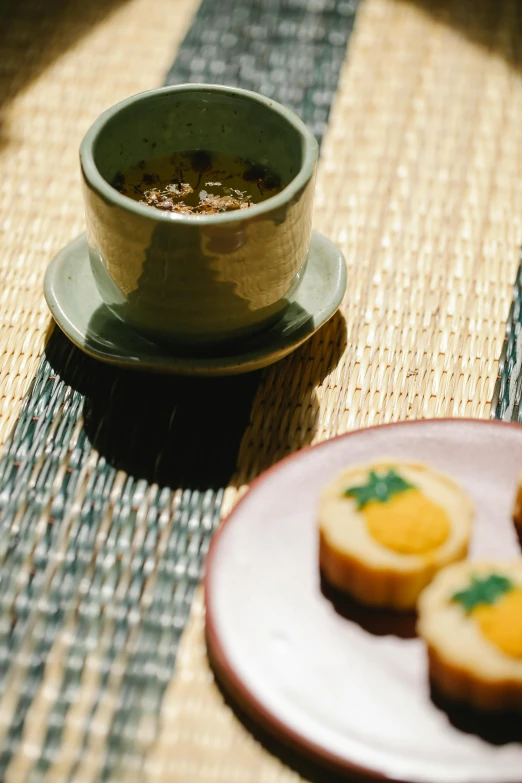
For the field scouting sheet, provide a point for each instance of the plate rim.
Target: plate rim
(243, 362)
(273, 725)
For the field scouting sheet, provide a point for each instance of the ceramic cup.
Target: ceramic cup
(198, 279)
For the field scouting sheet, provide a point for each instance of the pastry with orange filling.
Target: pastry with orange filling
(471, 620)
(386, 528)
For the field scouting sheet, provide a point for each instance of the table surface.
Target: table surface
(420, 185)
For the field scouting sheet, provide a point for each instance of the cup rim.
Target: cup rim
(109, 193)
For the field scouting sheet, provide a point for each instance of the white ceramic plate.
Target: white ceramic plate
(345, 686)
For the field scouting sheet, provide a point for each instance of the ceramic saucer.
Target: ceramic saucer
(78, 310)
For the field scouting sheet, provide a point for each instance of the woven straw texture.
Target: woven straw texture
(62, 63)
(420, 184)
(111, 484)
(508, 389)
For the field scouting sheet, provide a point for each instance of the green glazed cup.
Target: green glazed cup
(198, 279)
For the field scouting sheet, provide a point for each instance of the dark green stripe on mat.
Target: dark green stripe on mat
(508, 389)
(161, 430)
(290, 50)
(115, 557)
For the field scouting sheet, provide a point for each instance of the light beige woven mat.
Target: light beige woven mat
(421, 186)
(63, 62)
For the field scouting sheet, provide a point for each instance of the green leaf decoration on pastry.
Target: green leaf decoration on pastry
(483, 590)
(378, 487)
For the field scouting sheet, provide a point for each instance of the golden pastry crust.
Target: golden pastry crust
(353, 561)
(464, 664)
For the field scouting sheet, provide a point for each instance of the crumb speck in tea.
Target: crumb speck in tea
(176, 183)
(211, 204)
(179, 189)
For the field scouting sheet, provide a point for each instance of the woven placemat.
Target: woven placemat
(61, 64)
(111, 483)
(290, 50)
(421, 186)
(508, 389)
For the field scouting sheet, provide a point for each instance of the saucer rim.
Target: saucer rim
(261, 356)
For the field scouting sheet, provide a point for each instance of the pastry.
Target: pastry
(387, 527)
(471, 620)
